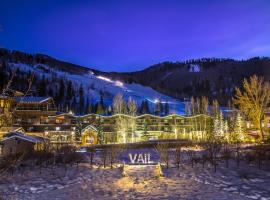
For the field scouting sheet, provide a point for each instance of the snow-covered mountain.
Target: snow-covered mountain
(167, 81)
(94, 84)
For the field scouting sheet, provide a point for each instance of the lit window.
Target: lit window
(89, 140)
(57, 128)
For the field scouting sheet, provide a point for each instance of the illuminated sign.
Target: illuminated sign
(141, 158)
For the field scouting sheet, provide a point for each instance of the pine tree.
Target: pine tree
(145, 107)
(167, 108)
(145, 135)
(79, 128)
(239, 129)
(158, 108)
(100, 133)
(205, 105)
(81, 100)
(219, 127)
(61, 93)
(216, 109)
(100, 110)
(70, 91)
(42, 87)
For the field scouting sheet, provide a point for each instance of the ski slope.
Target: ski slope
(94, 84)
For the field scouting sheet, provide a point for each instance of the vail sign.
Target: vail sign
(141, 158)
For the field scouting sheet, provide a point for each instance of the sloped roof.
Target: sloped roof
(11, 129)
(32, 99)
(21, 136)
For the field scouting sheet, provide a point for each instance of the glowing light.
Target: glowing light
(104, 78)
(119, 83)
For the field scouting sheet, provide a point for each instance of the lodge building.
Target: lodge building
(38, 116)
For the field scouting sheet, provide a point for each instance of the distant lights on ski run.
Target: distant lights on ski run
(104, 78)
(119, 84)
(116, 83)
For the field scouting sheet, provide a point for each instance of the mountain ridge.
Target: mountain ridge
(215, 77)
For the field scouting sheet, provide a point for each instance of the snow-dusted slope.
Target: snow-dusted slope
(94, 84)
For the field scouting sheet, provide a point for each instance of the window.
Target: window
(89, 140)
(57, 128)
(58, 121)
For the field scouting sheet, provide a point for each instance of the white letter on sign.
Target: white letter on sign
(132, 160)
(140, 158)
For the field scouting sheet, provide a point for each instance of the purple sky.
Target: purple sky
(131, 35)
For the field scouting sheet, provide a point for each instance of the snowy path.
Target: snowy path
(139, 183)
(139, 171)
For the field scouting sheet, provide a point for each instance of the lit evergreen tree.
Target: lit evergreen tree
(79, 128)
(238, 129)
(219, 127)
(145, 134)
(100, 133)
(100, 110)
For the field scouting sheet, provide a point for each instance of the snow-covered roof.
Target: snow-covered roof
(21, 136)
(32, 99)
(89, 127)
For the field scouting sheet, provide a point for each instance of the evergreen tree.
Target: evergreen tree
(61, 93)
(87, 105)
(100, 133)
(70, 91)
(219, 127)
(42, 87)
(74, 105)
(81, 100)
(216, 109)
(167, 108)
(100, 110)
(145, 107)
(145, 134)
(79, 128)
(158, 108)
(238, 129)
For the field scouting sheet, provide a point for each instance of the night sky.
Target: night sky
(131, 35)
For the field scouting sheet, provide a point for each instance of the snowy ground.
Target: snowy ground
(140, 182)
